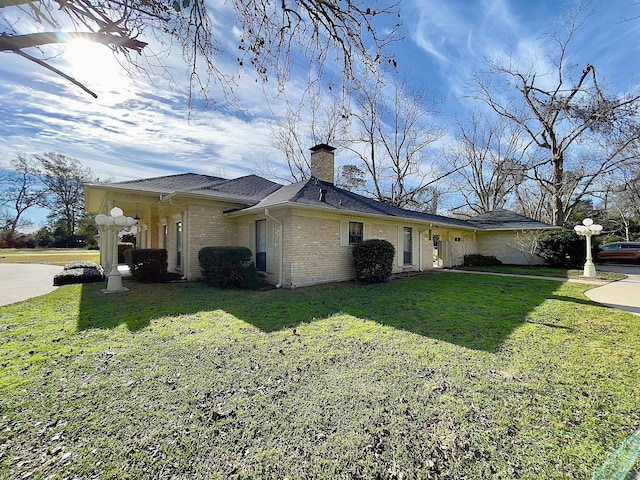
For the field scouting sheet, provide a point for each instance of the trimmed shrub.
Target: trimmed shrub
(373, 260)
(477, 260)
(79, 272)
(148, 264)
(227, 267)
(563, 249)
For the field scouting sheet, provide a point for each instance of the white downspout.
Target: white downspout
(281, 269)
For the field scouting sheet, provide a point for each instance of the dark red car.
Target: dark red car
(620, 252)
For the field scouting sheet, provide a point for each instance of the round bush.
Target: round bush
(563, 249)
(373, 260)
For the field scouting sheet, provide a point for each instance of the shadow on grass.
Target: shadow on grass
(476, 312)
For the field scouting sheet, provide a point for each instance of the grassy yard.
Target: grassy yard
(48, 256)
(541, 271)
(442, 375)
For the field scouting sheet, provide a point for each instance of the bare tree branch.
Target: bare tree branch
(559, 119)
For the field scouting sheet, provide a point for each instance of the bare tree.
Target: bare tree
(64, 179)
(318, 118)
(532, 197)
(393, 131)
(353, 32)
(525, 242)
(560, 112)
(20, 190)
(490, 162)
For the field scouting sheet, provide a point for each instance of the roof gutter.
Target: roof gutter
(280, 247)
(298, 206)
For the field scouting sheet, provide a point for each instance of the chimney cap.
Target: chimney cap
(322, 146)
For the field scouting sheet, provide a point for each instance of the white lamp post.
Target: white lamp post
(588, 228)
(115, 222)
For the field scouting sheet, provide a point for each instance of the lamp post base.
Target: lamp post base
(589, 270)
(114, 282)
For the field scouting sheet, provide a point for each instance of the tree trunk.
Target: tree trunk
(556, 197)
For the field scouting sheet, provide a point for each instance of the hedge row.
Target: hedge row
(228, 267)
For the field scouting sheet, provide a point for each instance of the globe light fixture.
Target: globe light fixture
(113, 224)
(587, 229)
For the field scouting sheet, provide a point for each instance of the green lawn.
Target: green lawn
(541, 271)
(443, 375)
(48, 256)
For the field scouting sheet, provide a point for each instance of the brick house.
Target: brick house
(300, 234)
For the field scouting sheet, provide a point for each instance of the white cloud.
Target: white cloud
(141, 127)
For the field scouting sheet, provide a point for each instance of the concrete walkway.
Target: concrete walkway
(623, 294)
(21, 281)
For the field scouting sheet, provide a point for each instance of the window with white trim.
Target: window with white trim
(352, 233)
(356, 232)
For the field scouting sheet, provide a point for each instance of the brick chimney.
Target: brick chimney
(322, 162)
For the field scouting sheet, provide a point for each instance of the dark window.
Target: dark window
(355, 232)
(178, 244)
(261, 245)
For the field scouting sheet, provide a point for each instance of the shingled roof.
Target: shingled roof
(249, 189)
(168, 183)
(316, 193)
(257, 193)
(505, 219)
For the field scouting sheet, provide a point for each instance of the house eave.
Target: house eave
(511, 229)
(257, 209)
(175, 196)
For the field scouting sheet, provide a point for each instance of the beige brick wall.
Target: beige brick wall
(313, 254)
(207, 227)
(204, 226)
(501, 245)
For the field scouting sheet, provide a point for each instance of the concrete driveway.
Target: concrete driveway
(20, 281)
(623, 294)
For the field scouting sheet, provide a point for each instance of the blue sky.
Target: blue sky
(141, 127)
